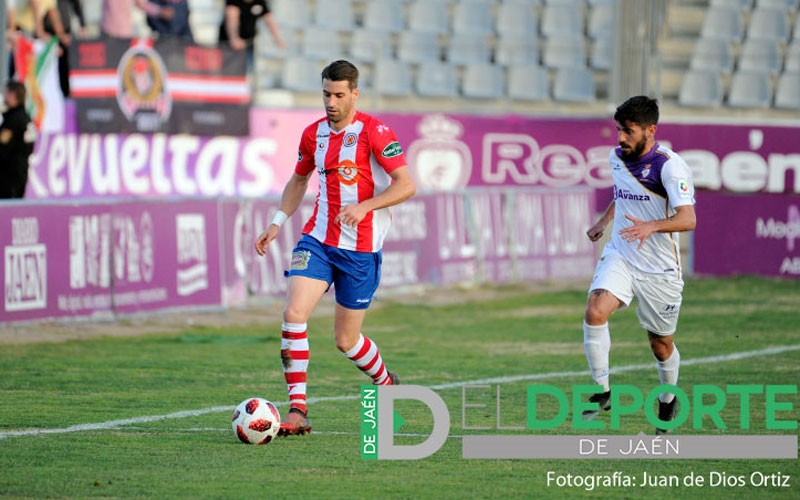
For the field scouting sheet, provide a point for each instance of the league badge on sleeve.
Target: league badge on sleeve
(683, 189)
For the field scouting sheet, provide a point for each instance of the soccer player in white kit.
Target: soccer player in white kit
(653, 202)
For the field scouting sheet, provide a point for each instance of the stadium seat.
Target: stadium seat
(750, 89)
(785, 5)
(760, 55)
(722, 22)
(416, 47)
(528, 83)
(768, 24)
(743, 5)
(428, 17)
(516, 19)
(335, 14)
(383, 15)
(436, 80)
(517, 49)
(701, 88)
(787, 95)
(472, 17)
(392, 78)
(601, 20)
(322, 43)
(574, 85)
(483, 81)
(562, 21)
(792, 62)
(713, 54)
(370, 46)
(466, 49)
(602, 53)
(564, 52)
(291, 13)
(301, 75)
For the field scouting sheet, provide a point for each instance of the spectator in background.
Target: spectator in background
(177, 25)
(239, 28)
(117, 20)
(17, 136)
(66, 8)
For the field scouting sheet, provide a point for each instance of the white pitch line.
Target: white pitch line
(112, 424)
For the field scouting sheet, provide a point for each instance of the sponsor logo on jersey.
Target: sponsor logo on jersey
(391, 150)
(347, 172)
(300, 260)
(350, 140)
(625, 194)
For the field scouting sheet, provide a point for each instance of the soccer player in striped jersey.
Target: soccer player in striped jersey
(362, 172)
(653, 202)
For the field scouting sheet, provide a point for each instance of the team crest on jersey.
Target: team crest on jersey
(350, 140)
(300, 260)
(391, 150)
(646, 171)
(299, 156)
(347, 172)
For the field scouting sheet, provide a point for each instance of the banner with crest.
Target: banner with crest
(159, 86)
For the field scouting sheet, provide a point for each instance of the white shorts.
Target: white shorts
(659, 295)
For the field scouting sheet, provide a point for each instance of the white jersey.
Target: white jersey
(650, 188)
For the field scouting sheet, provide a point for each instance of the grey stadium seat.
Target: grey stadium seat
(302, 75)
(472, 17)
(562, 21)
(418, 47)
(770, 24)
(750, 89)
(528, 83)
(516, 19)
(468, 48)
(436, 80)
(787, 92)
(564, 52)
(574, 85)
(517, 49)
(336, 14)
(392, 78)
(383, 15)
(712, 54)
(483, 81)
(760, 55)
(701, 88)
(428, 17)
(723, 22)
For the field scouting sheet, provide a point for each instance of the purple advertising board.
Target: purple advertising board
(447, 152)
(748, 234)
(99, 259)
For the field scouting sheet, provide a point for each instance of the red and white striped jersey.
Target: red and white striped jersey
(353, 165)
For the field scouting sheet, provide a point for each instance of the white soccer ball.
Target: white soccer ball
(256, 421)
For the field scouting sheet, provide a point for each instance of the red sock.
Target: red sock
(367, 358)
(294, 356)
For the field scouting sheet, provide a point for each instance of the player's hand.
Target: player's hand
(596, 232)
(351, 215)
(640, 230)
(265, 238)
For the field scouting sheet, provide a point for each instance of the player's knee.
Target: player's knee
(661, 347)
(595, 316)
(294, 315)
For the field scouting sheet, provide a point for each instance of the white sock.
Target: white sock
(597, 344)
(668, 373)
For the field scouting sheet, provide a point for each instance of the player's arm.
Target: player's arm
(596, 232)
(272, 26)
(291, 198)
(232, 27)
(684, 219)
(401, 189)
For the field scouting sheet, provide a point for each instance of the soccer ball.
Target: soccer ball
(256, 421)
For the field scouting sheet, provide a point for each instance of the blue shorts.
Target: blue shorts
(354, 275)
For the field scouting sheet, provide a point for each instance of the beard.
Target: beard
(633, 153)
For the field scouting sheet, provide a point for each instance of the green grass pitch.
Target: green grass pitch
(149, 416)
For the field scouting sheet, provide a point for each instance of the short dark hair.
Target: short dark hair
(639, 109)
(339, 71)
(18, 89)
